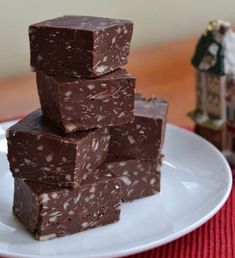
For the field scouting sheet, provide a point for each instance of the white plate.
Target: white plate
(196, 181)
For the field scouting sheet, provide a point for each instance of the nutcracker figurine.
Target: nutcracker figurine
(214, 63)
(229, 151)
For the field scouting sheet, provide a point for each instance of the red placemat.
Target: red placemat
(215, 239)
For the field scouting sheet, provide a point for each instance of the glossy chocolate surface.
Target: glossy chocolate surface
(38, 151)
(79, 103)
(50, 211)
(80, 46)
(142, 139)
(138, 178)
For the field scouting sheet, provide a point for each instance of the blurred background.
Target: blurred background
(156, 21)
(165, 34)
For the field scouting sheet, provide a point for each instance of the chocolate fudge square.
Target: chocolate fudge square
(79, 103)
(80, 46)
(51, 211)
(142, 139)
(138, 178)
(38, 151)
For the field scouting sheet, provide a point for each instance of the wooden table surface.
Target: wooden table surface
(163, 70)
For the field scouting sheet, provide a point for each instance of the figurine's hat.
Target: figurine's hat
(219, 26)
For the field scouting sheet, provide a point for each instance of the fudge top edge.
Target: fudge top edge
(36, 124)
(89, 23)
(118, 74)
(102, 174)
(152, 107)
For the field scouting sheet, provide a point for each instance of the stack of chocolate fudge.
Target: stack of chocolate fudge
(94, 143)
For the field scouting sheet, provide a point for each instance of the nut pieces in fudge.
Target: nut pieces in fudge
(50, 211)
(80, 46)
(142, 139)
(138, 178)
(39, 152)
(80, 104)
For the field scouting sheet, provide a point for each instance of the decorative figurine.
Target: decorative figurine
(229, 152)
(214, 62)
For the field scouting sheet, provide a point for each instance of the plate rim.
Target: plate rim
(157, 243)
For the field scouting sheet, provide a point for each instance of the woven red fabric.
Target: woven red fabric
(214, 239)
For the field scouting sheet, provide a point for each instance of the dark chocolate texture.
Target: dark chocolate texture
(50, 211)
(80, 46)
(138, 178)
(142, 139)
(78, 103)
(38, 151)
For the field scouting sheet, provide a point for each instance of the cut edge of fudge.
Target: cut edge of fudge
(144, 138)
(59, 100)
(53, 157)
(84, 49)
(138, 178)
(118, 74)
(151, 102)
(153, 107)
(96, 203)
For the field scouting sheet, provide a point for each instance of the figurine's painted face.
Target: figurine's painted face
(218, 29)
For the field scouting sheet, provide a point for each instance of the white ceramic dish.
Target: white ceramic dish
(196, 181)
